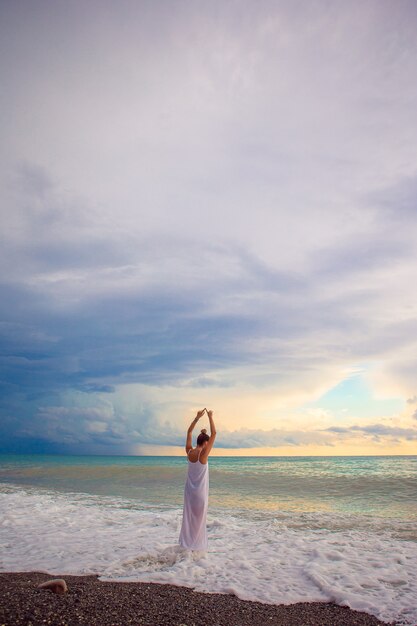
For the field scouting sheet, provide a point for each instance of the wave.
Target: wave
(364, 562)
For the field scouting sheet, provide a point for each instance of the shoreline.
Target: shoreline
(91, 602)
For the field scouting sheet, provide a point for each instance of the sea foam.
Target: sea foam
(289, 558)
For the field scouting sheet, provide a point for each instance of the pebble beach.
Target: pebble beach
(91, 602)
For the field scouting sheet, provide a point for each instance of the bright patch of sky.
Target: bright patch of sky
(354, 396)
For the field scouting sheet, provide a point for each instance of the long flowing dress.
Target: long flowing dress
(193, 535)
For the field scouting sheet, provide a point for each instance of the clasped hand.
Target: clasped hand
(201, 413)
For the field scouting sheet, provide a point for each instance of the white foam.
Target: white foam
(270, 560)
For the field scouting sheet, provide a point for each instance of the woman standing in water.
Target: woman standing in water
(193, 534)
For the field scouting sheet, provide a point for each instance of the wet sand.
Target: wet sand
(91, 602)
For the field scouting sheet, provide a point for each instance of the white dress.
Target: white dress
(193, 535)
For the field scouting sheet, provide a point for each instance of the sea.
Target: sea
(281, 529)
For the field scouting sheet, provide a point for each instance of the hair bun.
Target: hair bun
(203, 431)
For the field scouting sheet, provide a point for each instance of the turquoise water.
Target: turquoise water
(384, 486)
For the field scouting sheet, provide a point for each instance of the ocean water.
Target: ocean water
(281, 529)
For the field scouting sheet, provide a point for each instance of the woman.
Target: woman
(193, 534)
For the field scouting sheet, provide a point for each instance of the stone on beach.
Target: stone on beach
(57, 585)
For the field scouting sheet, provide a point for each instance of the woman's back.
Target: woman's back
(193, 534)
(194, 531)
(196, 455)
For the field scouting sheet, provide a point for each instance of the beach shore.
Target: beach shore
(91, 602)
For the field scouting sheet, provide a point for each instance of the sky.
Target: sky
(208, 204)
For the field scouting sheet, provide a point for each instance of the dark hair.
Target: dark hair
(202, 437)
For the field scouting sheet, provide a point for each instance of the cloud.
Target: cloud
(97, 387)
(377, 431)
(218, 200)
(150, 317)
(399, 200)
(275, 438)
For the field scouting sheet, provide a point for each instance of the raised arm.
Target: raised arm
(188, 443)
(210, 442)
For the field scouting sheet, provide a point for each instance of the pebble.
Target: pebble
(57, 585)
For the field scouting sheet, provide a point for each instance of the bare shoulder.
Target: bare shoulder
(204, 458)
(193, 454)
